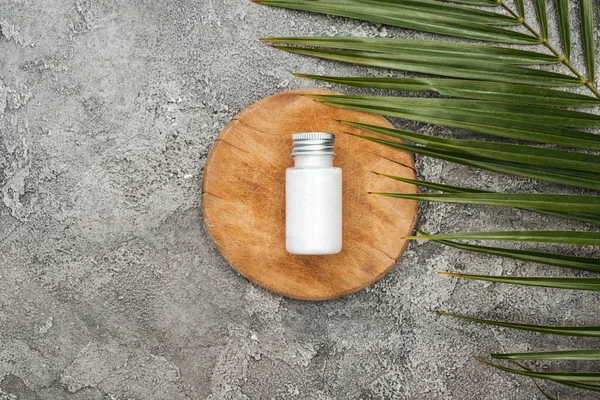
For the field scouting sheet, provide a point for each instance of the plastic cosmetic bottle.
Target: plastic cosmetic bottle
(313, 196)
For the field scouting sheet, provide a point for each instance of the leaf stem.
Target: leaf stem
(554, 51)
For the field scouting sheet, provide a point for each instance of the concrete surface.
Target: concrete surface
(109, 285)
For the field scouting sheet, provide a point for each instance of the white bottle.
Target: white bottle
(313, 191)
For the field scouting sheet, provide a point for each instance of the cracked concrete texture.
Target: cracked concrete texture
(111, 288)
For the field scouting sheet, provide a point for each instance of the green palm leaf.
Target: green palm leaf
(586, 217)
(592, 284)
(563, 176)
(501, 96)
(584, 377)
(482, 90)
(485, 3)
(562, 7)
(435, 186)
(593, 388)
(550, 202)
(560, 237)
(540, 8)
(445, 66)
(421, 18)
(520, 8)
(436, 8)
(499, 151)
(566, 383)
(472, 120)
(412, 48)
(588, 354)
(512, 112)
(589, 331)
(558, 260)
(532, 374)
(587, 34)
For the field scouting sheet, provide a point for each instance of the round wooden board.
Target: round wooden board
(243, 198)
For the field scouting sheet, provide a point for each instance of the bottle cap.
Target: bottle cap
(313, 143)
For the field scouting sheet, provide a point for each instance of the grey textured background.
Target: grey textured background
(109, 285)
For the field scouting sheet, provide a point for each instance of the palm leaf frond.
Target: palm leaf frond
(592, 284)
(412, 48)
(585, 217)
(540, 201)
(435, 186)
(500, 151)
(562, 8)
(588, 331)
(472, 89)
(444, 66)
(558, 260)
(554, 117)
(472, 120)
(540, 9)
(483, 3)
(560, 237)
(422, 15)
(578, 385)
(577, 377)
(496, 92)
(587, 354)
(581, 179)
(587, 34)
(544, 393)
(520, 8)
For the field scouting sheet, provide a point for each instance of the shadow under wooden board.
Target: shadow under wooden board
(243, 198)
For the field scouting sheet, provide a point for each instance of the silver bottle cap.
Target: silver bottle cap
(313, 143)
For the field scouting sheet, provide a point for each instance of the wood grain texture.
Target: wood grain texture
(243, 199)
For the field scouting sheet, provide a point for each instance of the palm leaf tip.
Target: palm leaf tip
(483, 361)
(446, 273)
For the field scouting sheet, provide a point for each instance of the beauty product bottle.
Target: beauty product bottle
(313, 196)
